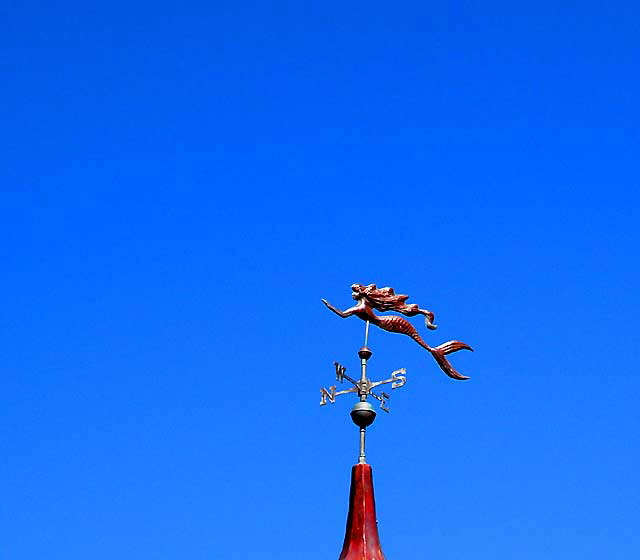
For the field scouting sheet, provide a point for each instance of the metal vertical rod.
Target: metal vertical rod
(363, 374)
(362, 458)
(366, 334)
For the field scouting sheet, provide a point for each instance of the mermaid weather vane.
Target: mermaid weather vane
(370, 298)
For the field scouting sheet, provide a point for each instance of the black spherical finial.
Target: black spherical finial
(363, 414)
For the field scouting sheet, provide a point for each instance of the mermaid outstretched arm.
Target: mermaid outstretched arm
(346, 312)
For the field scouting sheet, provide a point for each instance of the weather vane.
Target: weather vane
(369, 298)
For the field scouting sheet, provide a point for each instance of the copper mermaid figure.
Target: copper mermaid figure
(385, 299)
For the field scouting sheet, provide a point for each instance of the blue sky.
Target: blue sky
(183, 183)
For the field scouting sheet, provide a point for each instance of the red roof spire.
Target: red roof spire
(361, 541)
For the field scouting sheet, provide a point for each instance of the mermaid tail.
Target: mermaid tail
(397, 324)
(439, 353)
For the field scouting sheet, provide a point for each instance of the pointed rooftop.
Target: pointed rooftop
(361, 540)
